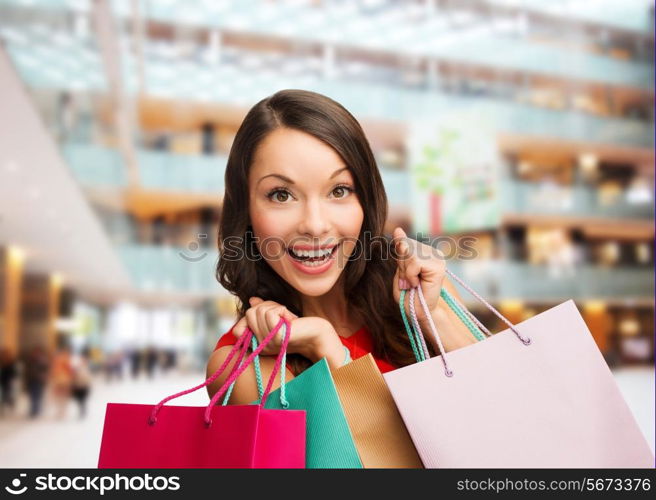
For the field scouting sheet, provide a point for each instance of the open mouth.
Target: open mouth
(313, 258)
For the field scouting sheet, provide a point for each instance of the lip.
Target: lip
(313, 270)
(310, 247)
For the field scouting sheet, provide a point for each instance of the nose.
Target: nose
(315, 220)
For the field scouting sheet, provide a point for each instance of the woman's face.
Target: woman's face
(302, 199)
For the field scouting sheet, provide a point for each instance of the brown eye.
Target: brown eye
(342, 191)
(279, 195)
(283, 194)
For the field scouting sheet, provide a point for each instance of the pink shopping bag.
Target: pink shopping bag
(537, 395)
(247, 436)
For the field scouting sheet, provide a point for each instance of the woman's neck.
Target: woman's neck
(332, 306)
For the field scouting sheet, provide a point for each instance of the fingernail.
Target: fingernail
(402, 284)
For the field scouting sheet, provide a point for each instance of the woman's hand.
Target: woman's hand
(425, 266)
(418, 264)
(311, 337)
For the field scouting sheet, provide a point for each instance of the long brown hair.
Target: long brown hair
(367, 281)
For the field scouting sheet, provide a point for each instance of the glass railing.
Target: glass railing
(178, 172)
(171, 268)
(380, 100)
(96, 166)
(633, 15)
(552, 199)
(515, 280)
(123, 230)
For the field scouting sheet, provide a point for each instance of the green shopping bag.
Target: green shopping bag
(329, 443)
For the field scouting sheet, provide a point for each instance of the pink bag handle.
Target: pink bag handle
(525, 340)
(415, 321)
(237, 347)
(447, 371)
(241, 347)
(238, 371)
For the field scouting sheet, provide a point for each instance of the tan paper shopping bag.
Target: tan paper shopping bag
(378, 431)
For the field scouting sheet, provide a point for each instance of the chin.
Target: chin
(317, 289)
(310, 286)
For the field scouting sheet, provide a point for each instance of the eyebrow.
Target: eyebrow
(289, 181)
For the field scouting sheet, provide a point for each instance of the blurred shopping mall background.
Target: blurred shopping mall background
(528, 125)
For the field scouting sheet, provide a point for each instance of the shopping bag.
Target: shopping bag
(538, 394)
(329, 443)
(378, 431)
(245, 436)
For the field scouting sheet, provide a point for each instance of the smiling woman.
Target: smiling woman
(301, 236)
(308, 205)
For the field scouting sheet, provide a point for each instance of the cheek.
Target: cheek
(350, 226)
(270, 227)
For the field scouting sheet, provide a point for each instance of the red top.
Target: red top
(359, 344)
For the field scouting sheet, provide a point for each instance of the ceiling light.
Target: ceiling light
(588, 163)
(56, 279)
(16, 254)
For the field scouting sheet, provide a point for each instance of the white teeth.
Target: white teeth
(313, 264)
(312, 253)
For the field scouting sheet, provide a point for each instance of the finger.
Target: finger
(400, 280)
(251, 319)
(405, 254)
(399, 233)
(412, 273)
(288, 315)
(398, 284)
(401, 243)
(262, 326)
(238, 329)
(273, 316)
(268, 317)
(254, 301)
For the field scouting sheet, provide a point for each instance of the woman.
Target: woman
(301, 236)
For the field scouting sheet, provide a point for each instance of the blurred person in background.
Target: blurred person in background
(81, 383)
(135, 362)
(151, 357)
(62, 379)
(169, 360)
(8, 372)
(37, 367)
(113, 366)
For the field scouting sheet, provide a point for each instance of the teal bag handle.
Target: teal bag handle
(413, 335)
(258, 376)
(417, 341)
(464, 315)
